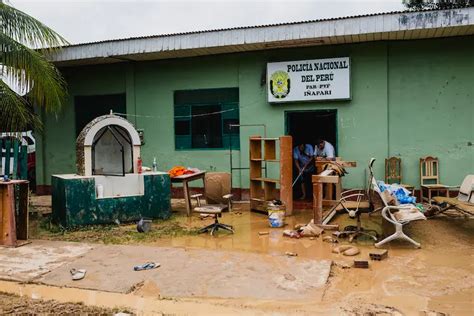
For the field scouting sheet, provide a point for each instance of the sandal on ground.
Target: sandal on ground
(146, 266)
(78, 274)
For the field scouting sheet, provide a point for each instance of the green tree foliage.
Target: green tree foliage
(24, 67)
(437, 4)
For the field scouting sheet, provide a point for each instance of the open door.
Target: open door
(307, 127)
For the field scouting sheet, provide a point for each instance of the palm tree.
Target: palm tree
(23, 67)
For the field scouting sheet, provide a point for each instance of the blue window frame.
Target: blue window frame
(203, 119)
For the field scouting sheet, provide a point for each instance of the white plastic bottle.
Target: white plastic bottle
(154, 164)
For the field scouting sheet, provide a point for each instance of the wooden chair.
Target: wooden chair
(393, 173)
(429, 179)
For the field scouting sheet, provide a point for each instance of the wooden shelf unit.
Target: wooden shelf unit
(263, 189)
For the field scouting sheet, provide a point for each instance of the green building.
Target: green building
(391, 84)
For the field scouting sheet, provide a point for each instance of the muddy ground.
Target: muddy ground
(22, 305)
(436, 279)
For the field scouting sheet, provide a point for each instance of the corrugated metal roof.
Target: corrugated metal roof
(398, 25)
(250, 27)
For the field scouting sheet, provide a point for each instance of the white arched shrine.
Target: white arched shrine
(108, 145)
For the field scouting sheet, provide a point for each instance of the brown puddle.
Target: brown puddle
(439, 277)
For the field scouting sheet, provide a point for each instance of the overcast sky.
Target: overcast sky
(94, 20)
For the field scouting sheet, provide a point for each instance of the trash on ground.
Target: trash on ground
(144, 225)
(378, 255)
(78, 274)
(291, 254)
(146, 266)
(291, 233)
(329, 239)
(346, 250)
(263, 233)
(361, 264)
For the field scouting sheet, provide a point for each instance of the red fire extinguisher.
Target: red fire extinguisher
(139, 165)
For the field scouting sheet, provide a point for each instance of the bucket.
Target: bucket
(276, 217)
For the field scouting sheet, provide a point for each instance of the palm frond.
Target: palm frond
(31, 72)
(15, 113)
(25, 29)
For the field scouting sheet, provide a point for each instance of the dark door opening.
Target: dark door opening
(306, 127)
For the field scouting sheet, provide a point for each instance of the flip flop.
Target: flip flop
(146, 266)
(78, 274)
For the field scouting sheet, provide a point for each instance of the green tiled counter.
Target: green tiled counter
(75, 203)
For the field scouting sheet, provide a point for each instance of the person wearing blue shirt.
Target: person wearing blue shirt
(303, 155)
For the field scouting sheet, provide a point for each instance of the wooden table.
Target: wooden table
(185, 179)
(328, 188)
(13, 229)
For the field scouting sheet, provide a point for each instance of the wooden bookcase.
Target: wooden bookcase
(262, 152)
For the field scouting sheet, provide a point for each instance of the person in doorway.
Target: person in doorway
(303, 156)
(324, 150)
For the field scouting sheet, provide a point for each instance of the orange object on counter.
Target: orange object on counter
(179, 171)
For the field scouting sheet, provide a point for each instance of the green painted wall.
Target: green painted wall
(408, 98)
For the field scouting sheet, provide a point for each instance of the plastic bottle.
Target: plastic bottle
(139, 165)
(154, 164)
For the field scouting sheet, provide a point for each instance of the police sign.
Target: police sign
(309, 80)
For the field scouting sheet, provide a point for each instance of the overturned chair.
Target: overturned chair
(214, 210)
(463, 203)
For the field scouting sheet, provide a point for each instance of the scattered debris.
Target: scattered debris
(144, 225)
(78, 274)
(342, 264)
(291, 254)
(346, 250)
(146, 266)
(146, 288)
(378, 255)
(263, 233)
(433, 313)
(291, 233)
(311, 230)
(329, 239)
(289, 277)
(361, 264)
(311, 238)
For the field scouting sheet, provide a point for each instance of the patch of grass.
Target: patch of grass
(113, 233)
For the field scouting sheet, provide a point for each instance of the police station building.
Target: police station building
(390, 84)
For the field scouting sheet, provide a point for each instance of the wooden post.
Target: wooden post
(286, 173)
(318, 202)
(7, 216)
(318, 181)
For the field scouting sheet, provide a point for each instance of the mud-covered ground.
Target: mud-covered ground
(434, 280)
(22, 305)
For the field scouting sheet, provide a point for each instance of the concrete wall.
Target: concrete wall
(409, 98)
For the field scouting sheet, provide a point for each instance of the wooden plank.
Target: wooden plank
(22, 219)
(325, 179)
(7, 216)
(286, 173)
(318, 202)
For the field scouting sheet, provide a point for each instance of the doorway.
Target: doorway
(306, 127)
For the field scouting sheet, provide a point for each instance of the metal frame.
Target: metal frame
(232, 168)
